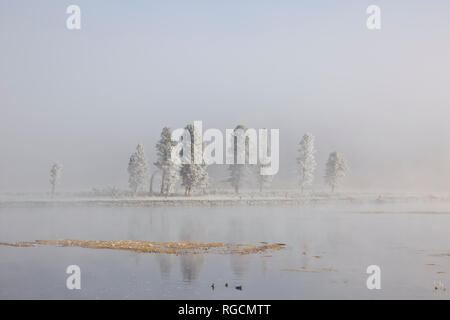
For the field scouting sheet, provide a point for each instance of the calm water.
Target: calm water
(328, 251)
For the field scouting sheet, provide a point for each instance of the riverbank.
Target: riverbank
(249, 199)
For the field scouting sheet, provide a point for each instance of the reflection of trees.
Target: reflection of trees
(191, 265)
(165, 265)
(154, 224)
(240, 264)
(235, 231)
(139, 225)
(191, 231)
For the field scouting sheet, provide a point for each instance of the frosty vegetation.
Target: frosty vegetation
(55, 176)
(335, 170)
(239, 173)
(306, 161)
(168, 169)
(138, 170)
(264, 180)
(194, 177)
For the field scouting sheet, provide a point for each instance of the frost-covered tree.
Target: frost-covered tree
(335, 170)
(306, 161)
(239, 173)
(169, 170)
(55, 176)
(194, 176)
(138, 169)
(264, 181)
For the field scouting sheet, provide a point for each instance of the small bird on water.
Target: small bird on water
(239, 288)
(213, 286)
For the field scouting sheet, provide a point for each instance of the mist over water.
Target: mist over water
(328, 249)
(86, 98)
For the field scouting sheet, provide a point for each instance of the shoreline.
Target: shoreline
(220, 201)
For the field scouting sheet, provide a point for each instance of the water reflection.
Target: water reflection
(191, 266)
(326, 255)
(240, 264)
(166, 262)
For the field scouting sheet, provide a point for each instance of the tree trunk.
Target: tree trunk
(303, 179)
(162, 181)
(150, 190)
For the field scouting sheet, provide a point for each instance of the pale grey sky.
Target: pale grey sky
(86, 98)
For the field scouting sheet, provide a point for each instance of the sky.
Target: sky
(86, 98)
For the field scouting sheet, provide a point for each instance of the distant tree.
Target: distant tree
(264, 181)
(55, 176)
(306, 161)
(152, 178)
(138, 169)
(239, 173)
(169, 170)
(194, 176)
(336, 169)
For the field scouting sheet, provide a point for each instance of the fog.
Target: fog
(87, 97)
(328, 251)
